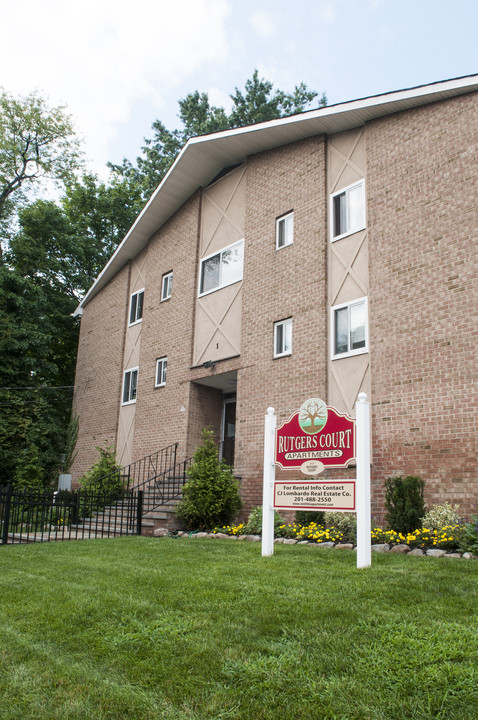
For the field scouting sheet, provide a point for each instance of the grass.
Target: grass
(209, 630)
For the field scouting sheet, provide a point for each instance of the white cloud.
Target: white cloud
(99, 57)
(327, 13)
(263, 24)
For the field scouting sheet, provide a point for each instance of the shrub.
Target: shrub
(346, 523)
(29, 472)
(254, 522)
(305, 517)
(441, 516)
(104, 477)
(211, 493)
(470, 536)
(404, 503)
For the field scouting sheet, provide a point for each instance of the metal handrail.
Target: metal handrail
(164, 487)
(136, 474)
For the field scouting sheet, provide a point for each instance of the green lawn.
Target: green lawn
(208, 629)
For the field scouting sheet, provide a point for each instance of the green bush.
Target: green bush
(305, 517)
(211, 493)
(254, 522)
(470, 536)
(29, 472)
(104, 477)
(441, 516)
(404, 503)
(346, 523)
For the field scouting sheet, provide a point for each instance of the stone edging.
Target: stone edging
(380, 548)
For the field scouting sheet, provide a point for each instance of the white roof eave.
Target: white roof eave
(202, 158)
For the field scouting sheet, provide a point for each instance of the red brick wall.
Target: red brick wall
(422, 185)
(290, 282)
(167, 330)
(99, 370)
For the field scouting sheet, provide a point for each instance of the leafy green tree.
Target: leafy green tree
(257, 103)
(211, 494)
(36, 142)
(33, 410)
(105, 476)
(58, 249)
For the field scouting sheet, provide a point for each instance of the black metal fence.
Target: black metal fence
(27, 516)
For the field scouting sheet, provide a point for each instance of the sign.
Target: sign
(314, 495)
(314, 438)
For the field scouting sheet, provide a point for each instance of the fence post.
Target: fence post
(139, 512)
(364, 542)
(268, 484)
(6, 514)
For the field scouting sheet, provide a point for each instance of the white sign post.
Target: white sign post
(307, 493)
(268, 487)
(364, 529)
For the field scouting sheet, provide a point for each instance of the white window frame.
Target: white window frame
(221, 284)
(130, 372)
(282, 324)
(166, 286)
(333, 310)
(162, 363)
(137, 319)
(285, 222)
(351, 229)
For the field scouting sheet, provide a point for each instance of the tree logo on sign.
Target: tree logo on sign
(312, 416)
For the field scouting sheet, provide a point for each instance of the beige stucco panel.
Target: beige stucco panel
(138, 272)
(124, 443)
(223, 212)
(346, 159)
(218, 324)
(348, 377)
(132, 349)
(132, 346)
(348, 277)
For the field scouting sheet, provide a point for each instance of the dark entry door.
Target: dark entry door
(229, 430)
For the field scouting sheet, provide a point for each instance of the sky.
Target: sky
(117, 66)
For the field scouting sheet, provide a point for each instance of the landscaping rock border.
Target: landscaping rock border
(379, 548)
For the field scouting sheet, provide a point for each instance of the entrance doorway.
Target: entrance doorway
(228, 429)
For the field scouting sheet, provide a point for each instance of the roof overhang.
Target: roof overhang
(203, 158)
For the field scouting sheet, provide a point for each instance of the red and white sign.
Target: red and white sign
(314, 438)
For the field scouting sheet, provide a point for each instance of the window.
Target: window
(161, 366)
(285, 231)
(136, 307)
(130, 384)
(166, 286)
(348, 210)
(349, 328)
(283, 338)
(221, 269)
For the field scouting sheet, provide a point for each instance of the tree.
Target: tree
(35, 141)
(211, 494)
(57, 249)
(259, 102)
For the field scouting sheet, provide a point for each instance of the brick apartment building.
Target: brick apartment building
(320, 255)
